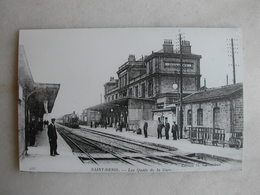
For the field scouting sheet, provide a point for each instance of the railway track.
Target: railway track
(98, 148)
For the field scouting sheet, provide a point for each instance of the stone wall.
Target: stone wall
(238, 119)
(139, 110)
(231, 114)
(208, 107)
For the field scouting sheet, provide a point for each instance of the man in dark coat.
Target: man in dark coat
(167, 128)
(174, 131)
(52, 134)
(159, 128)
(145, 129)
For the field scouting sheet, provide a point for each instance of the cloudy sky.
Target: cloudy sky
(82, 60)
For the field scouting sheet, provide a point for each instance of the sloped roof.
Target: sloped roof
(214, 93)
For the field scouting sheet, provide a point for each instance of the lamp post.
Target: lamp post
(175, 86)
(181, 87)
(112, 118)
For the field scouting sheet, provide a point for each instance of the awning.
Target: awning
(42, 97)
(116, 103)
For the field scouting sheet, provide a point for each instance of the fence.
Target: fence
(207, 135)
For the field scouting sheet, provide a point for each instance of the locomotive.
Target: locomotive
(71, 120)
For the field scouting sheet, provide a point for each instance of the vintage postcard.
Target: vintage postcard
(130, 100)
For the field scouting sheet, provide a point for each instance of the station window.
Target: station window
(189, 117)
(150, 88)
(130, 92)
(150, 66)
(216, 117)
(160, 105)
(199, 116)
(143, 90)
(136, 91)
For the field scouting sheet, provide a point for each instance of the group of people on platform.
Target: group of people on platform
(174, 130)
(161, 126)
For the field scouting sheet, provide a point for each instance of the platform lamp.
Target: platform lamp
(175, 87)
(112, 118)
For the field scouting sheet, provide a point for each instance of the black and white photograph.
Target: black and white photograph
(130, 100)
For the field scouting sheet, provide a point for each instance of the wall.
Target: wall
(238, 114)
(21, 123)
(138, 109)
(152, 127)
(228, 109)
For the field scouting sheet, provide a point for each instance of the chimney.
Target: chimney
(167, 46)
(131, 58)
(186, 47)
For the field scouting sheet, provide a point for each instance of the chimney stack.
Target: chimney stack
(167, 46)
(186, 47)
(131, 58)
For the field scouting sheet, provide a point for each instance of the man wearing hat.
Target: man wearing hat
(52, 134)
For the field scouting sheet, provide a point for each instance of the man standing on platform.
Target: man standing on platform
(52, 134)
(145, 129)
(159, 128)
(174, 130)
(167, 128)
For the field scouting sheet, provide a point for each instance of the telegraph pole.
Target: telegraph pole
(181, 87)
(227, 79)
(233, 62)
(232, 50)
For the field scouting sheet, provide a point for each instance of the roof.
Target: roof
(215, 93)
(43, 92)
(172, 55)
(37, 94)
(116, 103)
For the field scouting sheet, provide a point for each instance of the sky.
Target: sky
(83, 60)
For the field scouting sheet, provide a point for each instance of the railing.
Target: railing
(207, 135)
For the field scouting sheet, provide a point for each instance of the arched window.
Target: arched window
(216, 117)
(189, 117)
(199, 116)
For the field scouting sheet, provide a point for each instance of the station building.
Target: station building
(144, 89)
(215, 109)
(35, 100)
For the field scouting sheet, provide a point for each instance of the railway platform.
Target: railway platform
(183, 145)
(38, 158)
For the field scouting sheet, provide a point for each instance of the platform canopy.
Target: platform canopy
(41, 99)
(116, 103)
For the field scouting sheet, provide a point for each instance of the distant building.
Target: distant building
(144, 88)
(35, 100)
(89, 115)
(213, 109)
